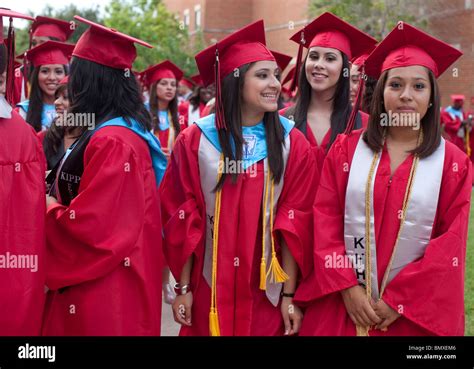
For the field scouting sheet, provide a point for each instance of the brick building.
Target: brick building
(450, 20)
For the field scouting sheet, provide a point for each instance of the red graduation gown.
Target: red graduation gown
(243, 308)
(183, 111)
(104, 262)
(320, 151)
(431, 289)
(22, 199)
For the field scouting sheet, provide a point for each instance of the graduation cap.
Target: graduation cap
(50, 52)
(189, 83)
(64, 81)
(10, 44)
(405, 46)
(327, 30)
(52, 27)
(281, 59)
(159, 71)
(244, 46)
(197, 80)
(107, 46)
(458, 98)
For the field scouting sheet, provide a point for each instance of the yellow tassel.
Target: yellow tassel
(263, 274)
(214, 323)
(362, 331)
(277, 273)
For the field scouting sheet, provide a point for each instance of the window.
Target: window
(197, 17)
(186, 17)
(468, 4)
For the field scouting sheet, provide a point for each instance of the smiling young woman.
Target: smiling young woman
(405, 227)
(237, 200)
(322, 109)
(49, 61)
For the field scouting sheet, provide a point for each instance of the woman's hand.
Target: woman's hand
(358, 307)
(292, 316)
(182, 309)
(386, 313)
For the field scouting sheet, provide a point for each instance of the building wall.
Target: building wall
(453, 22)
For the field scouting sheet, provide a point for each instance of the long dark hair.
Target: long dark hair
(195, 99)
(54, 136)
(430, 123)
(3, 58)
(232, 88)
(172, 108)
(369, 87)
(35, 106)
(105, 92)
(341, 102)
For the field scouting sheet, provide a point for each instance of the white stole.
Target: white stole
(193, 115)
(421, 211)
(209, 158)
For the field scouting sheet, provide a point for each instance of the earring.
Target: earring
(429, 106)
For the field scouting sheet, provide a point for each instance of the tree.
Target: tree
(150, 21)
(375, 17)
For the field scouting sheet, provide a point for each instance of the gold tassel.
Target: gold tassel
(214, 323)
(362, 331)
(263, 274)
(276, 272)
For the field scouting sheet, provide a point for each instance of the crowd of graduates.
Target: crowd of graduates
(334, 201)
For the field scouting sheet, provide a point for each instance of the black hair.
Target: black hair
(35, 106)
(232, 87)
(341, 103)
(3, 58)
(105, 92)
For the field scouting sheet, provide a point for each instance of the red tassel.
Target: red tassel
(220, 118)
(294, 83)
(355, 108)
(10, 85)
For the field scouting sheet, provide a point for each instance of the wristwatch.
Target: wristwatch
(182, 290)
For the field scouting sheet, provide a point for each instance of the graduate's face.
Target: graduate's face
(261, 87)
(38, 40)
(323, 68)
(61, 103)
(49, 76)
(183, 89)
(166, 89)
(407, 92)
(354, 82)
(205, 94)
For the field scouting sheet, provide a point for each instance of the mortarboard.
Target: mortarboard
(52, 27)
(107, 46)
(327, 30)
(50, 52)
(244, 46)
(159, 71)
(405, 46)
(281, 59)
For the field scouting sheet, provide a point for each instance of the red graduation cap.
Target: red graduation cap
(197, 80)
(281, 59)
(50, 52)
(189, 83)
(289, 77)
(159, 71)
(405, 46)
(244, 46)
(107, 46)
(52, 27)
(458, 98)
(327, 30)
(10, 44)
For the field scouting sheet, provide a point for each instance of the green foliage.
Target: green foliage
(375, 17)
(149, 20)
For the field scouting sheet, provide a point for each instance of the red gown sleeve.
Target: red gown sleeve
(89, 238)
(182, 205)
(293, 219)
(328, 218)
(183, 113)
(451, 126)
(22, 239)
(430, 291)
